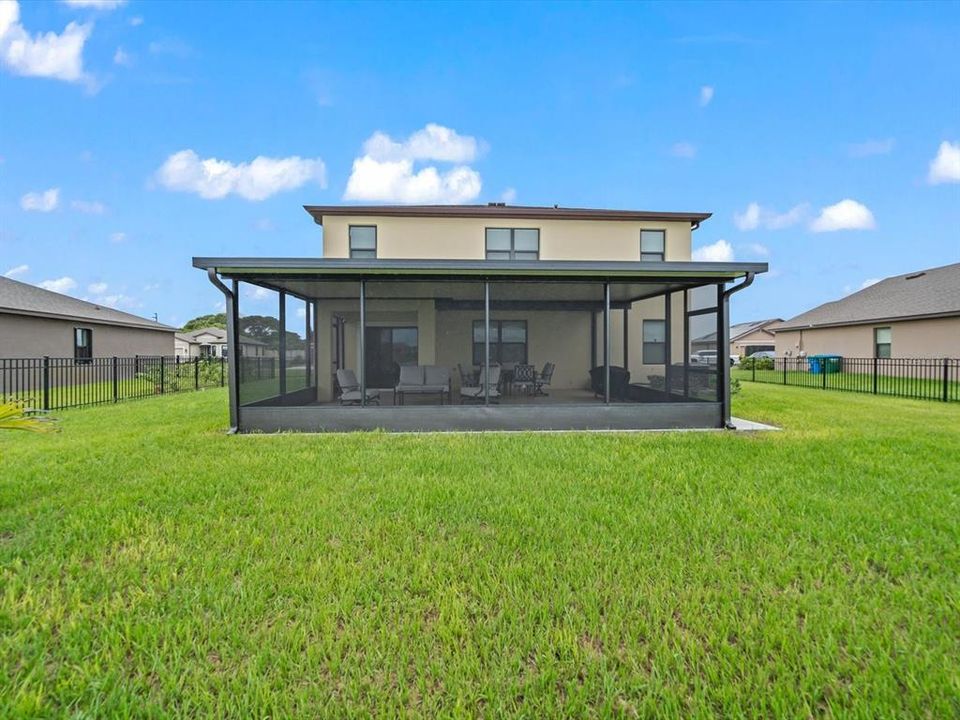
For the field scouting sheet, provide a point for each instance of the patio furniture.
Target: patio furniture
(467, 377)
(543, 379)
(619, 381)
(350, 389)
(422, 380)
(478, 392)
(524, 378)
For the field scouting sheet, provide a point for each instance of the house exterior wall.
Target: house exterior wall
(464, 238)
(934, 338)
(756, 337)
(24, 336)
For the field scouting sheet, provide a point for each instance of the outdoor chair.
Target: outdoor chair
(543, 379)
(422, 380)
(350, 389)
(524, 378)
(478, 392)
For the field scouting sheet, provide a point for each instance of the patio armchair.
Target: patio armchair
(543, 379)
(477, 393)
(350, 389)
(524, 377)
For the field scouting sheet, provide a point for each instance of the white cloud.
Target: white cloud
(60, 285)
(945, 167)
(872, 147)
(845, 215)
(96, 4)
(385, 172)
(255, 292)
(868, 282)
(755, 216)
(433, 142)
(758, 249)
(17, 270)
(97, 288)
(683, 150)
(122, 57)
(706, 95)
(265, 225)
(397, 182)
(118, 237)
(301, 312)
(720, 251)
(170, 46)
(150, 287)
(45, 54)
(136, 21)
(213, 179)
(508, 196)
(45, 201)
(88, 207)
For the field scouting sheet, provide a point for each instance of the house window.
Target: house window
(82, 344)
(508, 342)
(882, 338)
(654, 342)
(363, 241)
(652, 245)
(513, 244)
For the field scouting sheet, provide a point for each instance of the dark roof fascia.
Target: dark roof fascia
(88, 320)
(867, 321)
(536, 268)
(499, 211)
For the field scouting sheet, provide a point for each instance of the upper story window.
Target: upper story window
(653, 245)
(882, 340)
(82, 344)
(513, 244)
(363, 241)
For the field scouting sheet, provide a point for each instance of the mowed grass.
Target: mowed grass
(153, 566)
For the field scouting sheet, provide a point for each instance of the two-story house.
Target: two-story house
(486, 317)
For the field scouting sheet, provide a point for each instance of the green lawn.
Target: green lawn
(152, 566)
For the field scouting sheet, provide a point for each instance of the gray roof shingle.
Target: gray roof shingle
(25, 299)
(924, 293)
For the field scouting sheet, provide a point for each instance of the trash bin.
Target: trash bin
(825, 363)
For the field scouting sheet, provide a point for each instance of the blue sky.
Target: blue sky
(825, 138)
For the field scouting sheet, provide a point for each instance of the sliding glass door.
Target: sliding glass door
(387, 348)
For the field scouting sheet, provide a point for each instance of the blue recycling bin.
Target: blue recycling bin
(825, 364)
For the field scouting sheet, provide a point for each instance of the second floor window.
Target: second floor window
(653, 245)
(513, 244)
(363, 241)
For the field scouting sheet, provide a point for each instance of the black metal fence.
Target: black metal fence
(49, 383)
(918, 378)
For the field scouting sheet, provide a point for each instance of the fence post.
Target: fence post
(753, 376)
(114, 378)
(946, 380)
(785, 371)
(196, 373)
(136, 364)
(221, 370)
(163, 371)
(823, 374)
(876, 362)
(46, 382)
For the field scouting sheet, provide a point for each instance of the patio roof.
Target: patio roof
(536, 269)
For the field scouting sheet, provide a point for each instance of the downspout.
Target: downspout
(233, 360)
(724, 345)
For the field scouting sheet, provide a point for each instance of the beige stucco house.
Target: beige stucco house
(35, 323)
(601, 304)
(750, 337)
(914, 315)
(211, 342)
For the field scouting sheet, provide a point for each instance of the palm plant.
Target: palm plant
(14, 417)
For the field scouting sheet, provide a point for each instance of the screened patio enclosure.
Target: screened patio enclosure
(472, 345)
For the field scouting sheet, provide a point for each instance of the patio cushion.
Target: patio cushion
(354, 395)
(410, 375)
(436, 376)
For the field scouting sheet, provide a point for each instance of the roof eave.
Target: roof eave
(868, 321)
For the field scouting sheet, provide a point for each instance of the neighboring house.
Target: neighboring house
(35, 322)
(580, 318)
(212, 342)
(915, 315)
(750, 337)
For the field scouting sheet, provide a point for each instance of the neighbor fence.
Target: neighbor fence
(50, 383)
(918, 378)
